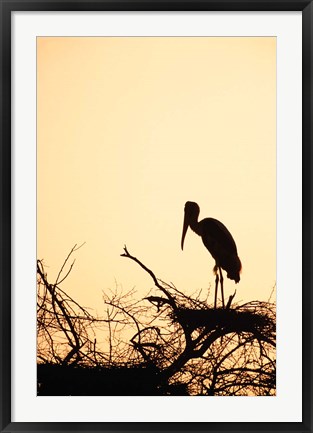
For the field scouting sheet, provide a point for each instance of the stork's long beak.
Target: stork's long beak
(185, 228)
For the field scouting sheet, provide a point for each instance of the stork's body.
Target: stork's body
(218, 240)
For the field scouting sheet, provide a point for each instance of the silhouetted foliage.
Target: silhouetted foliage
(165, 344)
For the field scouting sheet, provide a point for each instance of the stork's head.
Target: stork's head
(192, 211)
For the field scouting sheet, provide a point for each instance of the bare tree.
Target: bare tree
(191, 347)
(65, 331)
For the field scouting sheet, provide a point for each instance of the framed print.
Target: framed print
(156, 216)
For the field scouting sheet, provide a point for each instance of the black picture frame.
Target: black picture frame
(9, 6)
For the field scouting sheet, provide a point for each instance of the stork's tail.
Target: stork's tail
(233, 268)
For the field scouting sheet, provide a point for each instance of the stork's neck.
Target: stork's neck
(195, 225)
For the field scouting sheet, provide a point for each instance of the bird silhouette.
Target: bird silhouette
(218, 240)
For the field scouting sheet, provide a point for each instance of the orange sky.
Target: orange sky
(128, 130)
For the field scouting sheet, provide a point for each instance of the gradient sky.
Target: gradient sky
(128, 130)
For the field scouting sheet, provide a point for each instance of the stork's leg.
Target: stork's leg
(222, 279)
(216, 284)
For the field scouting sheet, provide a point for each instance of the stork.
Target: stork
(218, 240)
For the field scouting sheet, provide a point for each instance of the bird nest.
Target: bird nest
(255, 317)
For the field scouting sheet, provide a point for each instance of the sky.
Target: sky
(128, 130)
